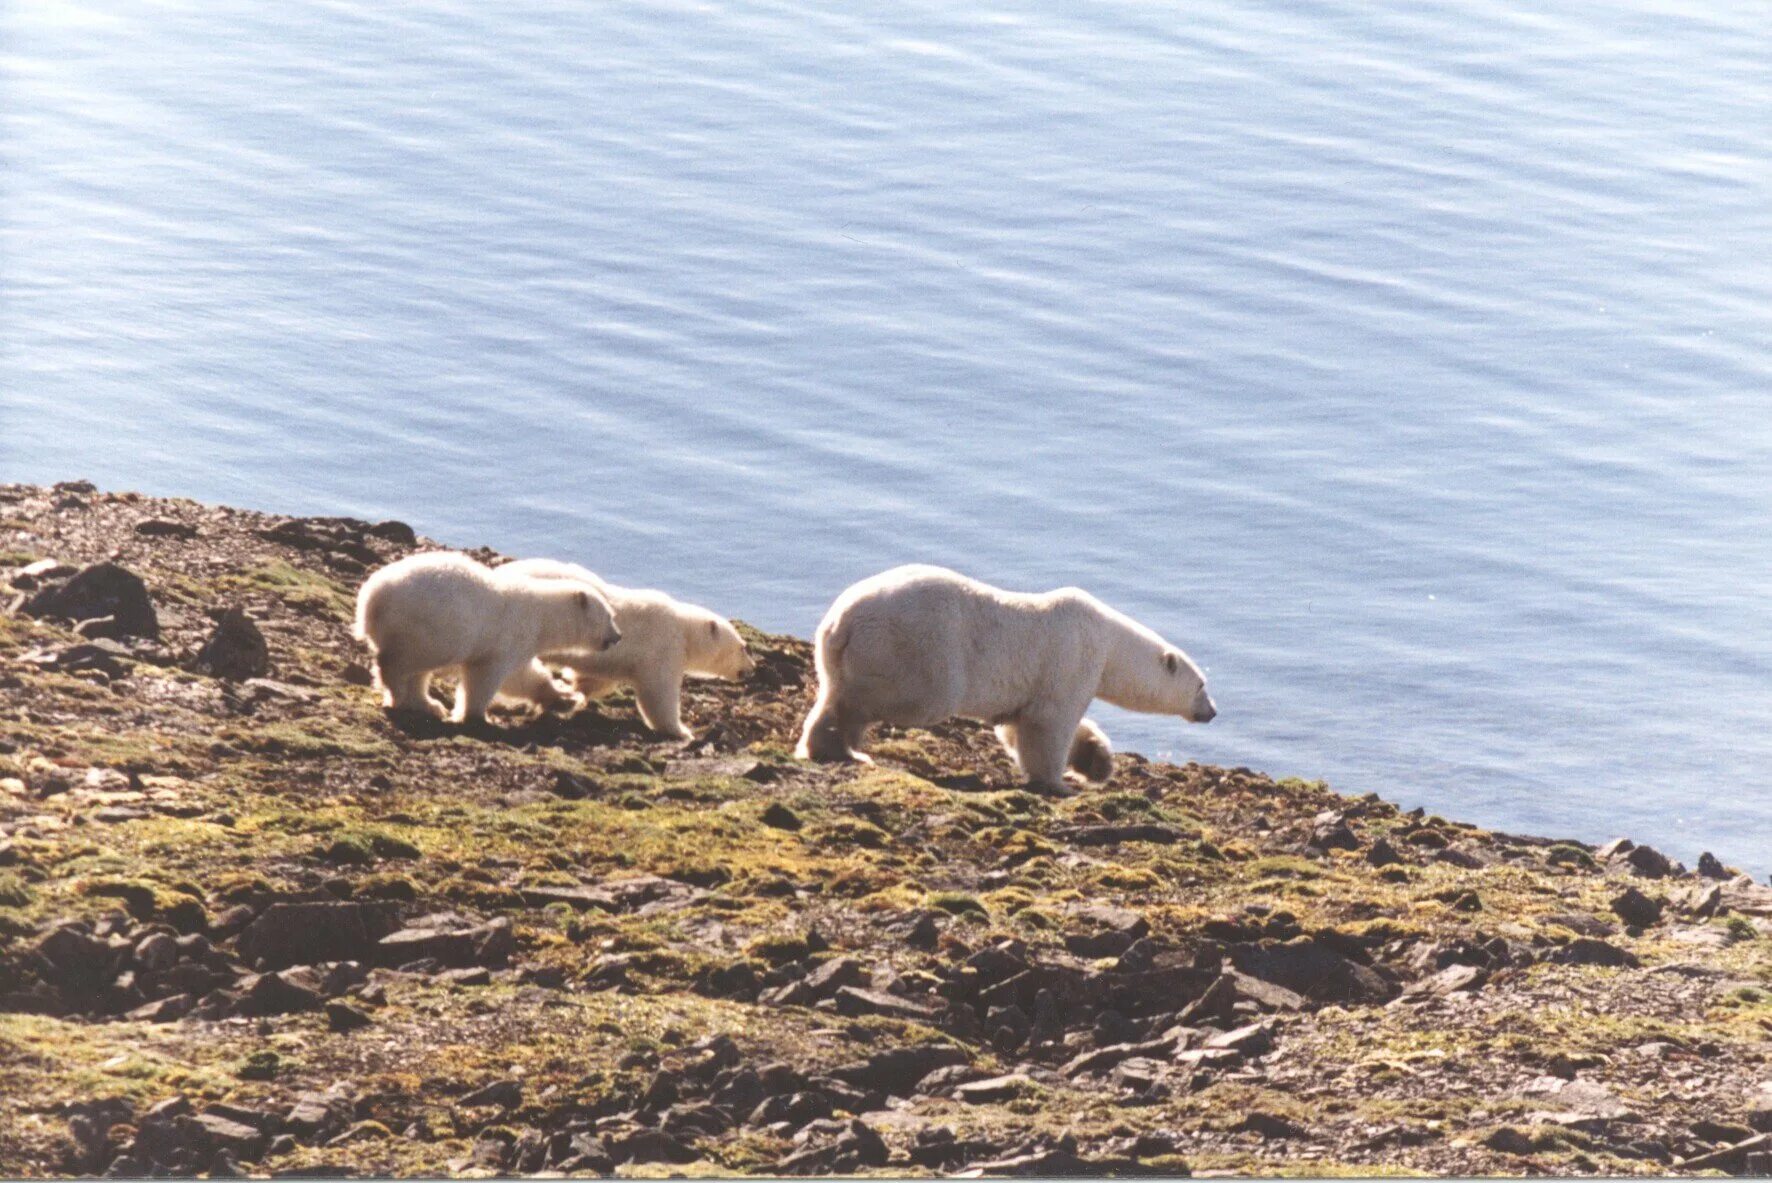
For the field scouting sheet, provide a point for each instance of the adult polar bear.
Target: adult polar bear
(915, 645)
(662, 639)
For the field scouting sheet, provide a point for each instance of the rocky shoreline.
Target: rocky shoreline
(248, 924)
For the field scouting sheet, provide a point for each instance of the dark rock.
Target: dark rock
(1451, 980)
(833, 975)
(1330, 831)
(317, 1116)
(1590, 951)
(741, 1093)
(1650, 863)
(506, 1094)
(396, 532)
(661, 1092)
(898, 1070)
(853, 1001)
(1509, 1140)
(1254, 1039)
(1382, 854)
(236, 649)
(1113, 835)
(280, 993)
(994, 1089)
(103, 589)
(856, 1147)
(224, 1133)
(1093, 1063)
(157, 951)
(1729, 1158)
(1105, 931)
(924, 931)
(777, 1078)
(486, 944)
(1583, 923)
(1710, 867)
(165, 528)
(1455, 856)
(781, 817)
(1270, 1125)
(77, 961)
(1633, 907)
(791, 1109)
(944, 1081)
(328, 930)
(1310, 968)
(164, 1010)
(694, 1119)
(342, 1017)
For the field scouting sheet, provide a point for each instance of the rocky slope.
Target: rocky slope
(248, 923)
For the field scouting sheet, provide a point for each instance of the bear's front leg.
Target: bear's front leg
(1042, 748)
(660, 701)
(480, 682)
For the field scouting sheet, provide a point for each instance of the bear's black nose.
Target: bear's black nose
(610, 641)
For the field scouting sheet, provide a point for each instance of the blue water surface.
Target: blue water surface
(1408, 365)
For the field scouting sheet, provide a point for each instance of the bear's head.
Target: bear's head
(716, 649)
(1185, 688)
(593, 616)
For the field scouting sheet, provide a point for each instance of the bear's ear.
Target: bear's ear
(1171, 662)
(584, 599)
(713, 628)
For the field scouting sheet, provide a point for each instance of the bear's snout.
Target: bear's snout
(611, 639)
(1205, 710)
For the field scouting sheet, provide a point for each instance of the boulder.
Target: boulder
(1592, 951)
(1635, 908)
(1330, 831)
(485, 944)
(853, 1001)
(897, 1070)
(235, 650)
(103, 589)
(994, 1090)
(1308, 967)
(305, 933)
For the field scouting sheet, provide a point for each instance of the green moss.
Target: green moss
(302, 590)
(958, 903)
(14, 893)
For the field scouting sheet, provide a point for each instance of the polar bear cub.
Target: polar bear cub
(440, 610)
(915, 645)
(662, 640)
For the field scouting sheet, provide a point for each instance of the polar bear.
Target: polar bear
(917, 644)
(662, 640)
(440, 610)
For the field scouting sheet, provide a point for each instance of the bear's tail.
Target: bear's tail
(361, 627)
(822, 736)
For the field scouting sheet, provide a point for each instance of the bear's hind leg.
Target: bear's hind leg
(404, 690)
(534, 684)
(1010, 737)
(1092, 756)
(832, 737)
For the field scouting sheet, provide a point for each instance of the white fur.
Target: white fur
(439, 610)
(916, 645)
(662, 640)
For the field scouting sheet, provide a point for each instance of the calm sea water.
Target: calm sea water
(1408, 365)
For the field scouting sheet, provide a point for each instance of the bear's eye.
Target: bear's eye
(1171, 662)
